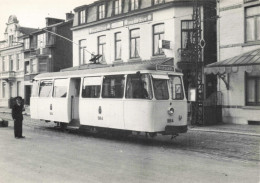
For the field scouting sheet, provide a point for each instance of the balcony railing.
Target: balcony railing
(7, 74)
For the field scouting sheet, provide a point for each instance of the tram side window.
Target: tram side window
(160, 89)
(45, 88)
(176, 88)
(113, 86)
(35, 89)
(60, 88)
(91, 87)
(138, 86)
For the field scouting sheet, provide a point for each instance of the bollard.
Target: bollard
(3, 123)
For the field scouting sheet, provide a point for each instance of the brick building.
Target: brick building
(47, 52)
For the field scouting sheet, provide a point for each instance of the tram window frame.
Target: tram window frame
(50, 89)
(60, 87)
(118, 92)
(173, 88)
(155, 90)
(133, 88)
(94, 87)
(35, 89)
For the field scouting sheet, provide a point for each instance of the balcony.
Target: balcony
(7, 75)
(187, 59)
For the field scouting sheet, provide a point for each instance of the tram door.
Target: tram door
(74, 99)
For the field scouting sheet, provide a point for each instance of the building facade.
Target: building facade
(131, 30)
(141, 30)
(11, 61)
(46, 51)
(238, 65)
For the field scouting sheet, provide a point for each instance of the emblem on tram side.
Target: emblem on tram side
(99, 110)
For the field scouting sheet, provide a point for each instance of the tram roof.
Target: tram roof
(110, 68)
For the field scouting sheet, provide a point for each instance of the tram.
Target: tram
(146, 97)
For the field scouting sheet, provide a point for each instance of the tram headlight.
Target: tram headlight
(171, 111)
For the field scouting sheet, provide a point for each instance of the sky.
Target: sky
(32, 13)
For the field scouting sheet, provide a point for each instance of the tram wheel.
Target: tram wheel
(63, 126)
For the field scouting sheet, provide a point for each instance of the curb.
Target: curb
(225, 131)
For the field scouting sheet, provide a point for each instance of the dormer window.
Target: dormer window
(117, 7)
(82, 17)
(134, 4)
(101, 11)
(155, 2)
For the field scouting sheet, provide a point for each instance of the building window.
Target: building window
(82, 51)
(134, 43)
(118, 46)
(253, 90)
(26, 43)
(253, 23)
(134, 4)
(3, 89)
(41, 40)
(18, 62)
(43, 65)
(117, 7)
(11, 62)
(3, 63)
(102, 47)
(11, 89)
(158, 34)
(101, 11)
(34, 66)
(155, 2)
(11, 39)
(19, 88)
(186, 33)
(27, 67)
(82, 17)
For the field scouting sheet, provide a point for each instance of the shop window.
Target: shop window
(60, 88)
(158, 34)
(91, 87)
(45, 88)
(252, 90)
(134, 43)
(253, 24)
(118, 45)
(113, 86)
(138, 86)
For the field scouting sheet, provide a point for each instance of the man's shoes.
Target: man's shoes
(20, 137)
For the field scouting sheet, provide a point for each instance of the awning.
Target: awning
(248, 62)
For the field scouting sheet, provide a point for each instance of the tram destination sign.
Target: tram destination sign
(165, 67)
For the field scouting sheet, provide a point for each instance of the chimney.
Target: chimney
(51, 21)
(69, 16)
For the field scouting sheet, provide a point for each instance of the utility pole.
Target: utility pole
(198, 43)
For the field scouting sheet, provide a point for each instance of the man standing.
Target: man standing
(17, 115)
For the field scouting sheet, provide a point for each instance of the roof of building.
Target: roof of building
(26, 30)
(251, 58)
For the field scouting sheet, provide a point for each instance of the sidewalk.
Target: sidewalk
(251, 130)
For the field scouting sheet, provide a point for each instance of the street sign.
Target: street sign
(165, 44)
